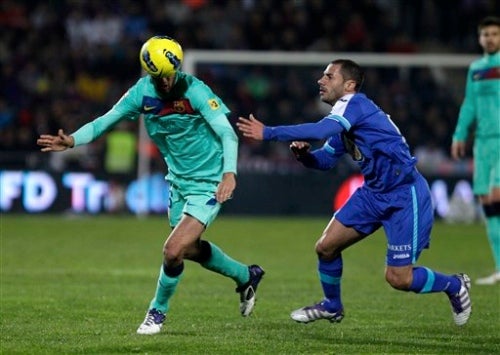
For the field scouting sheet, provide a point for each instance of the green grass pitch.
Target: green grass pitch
(81, 285)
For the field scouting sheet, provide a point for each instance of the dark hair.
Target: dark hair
(488, 21)
(351, 70)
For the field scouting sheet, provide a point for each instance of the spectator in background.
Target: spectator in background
(481, 107)
(120, 156)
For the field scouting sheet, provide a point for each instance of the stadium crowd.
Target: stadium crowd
(64, 62)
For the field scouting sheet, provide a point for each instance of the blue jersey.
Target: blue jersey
(358, 127)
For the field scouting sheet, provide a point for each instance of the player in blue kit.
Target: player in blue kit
(394, 195)
(189, 125)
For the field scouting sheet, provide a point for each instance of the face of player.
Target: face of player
(332, 85)
(164, 85)
(489, 39)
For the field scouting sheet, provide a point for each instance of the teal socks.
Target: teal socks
(221, 263)
(493, 231)
(165, 289)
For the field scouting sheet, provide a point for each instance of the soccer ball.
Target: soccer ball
(161, 56)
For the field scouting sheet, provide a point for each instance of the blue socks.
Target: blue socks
(426, 281)
(330, 274)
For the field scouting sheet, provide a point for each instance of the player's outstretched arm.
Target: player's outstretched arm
(50, 143)
(251, 127)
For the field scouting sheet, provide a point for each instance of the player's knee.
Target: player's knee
(324, 252)
(172, 255)
(398, 280)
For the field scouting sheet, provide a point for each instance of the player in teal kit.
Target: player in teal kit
(189, 125)
(481, 107)
(394, 196)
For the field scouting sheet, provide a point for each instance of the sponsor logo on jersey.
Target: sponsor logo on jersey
(403, 247)
(486, 74)
(147, 108)
(211, 202)
(401, 256)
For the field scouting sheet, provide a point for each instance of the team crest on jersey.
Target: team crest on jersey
(214, 105)
(179, 106)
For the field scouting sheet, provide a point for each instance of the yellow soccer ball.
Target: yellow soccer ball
(161, 56)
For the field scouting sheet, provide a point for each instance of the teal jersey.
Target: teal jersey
(189, 126)
(482, 99)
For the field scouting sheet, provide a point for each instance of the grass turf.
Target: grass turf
(82, 285)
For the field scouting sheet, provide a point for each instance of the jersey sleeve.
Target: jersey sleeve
(467, 113)
(125, 108)
(327, 156)
(322, 129)
(207, 102)
(229, 139)
(215, 112)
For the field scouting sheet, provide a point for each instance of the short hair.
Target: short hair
(351, 70)
(488, 21)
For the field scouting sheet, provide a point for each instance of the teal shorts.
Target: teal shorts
(196, 199)
(486, 165)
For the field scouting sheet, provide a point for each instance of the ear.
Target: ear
(350, 85)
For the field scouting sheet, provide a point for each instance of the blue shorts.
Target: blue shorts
(406, 214)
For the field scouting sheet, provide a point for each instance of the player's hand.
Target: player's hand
(57, 143)
(226, 187)
(300, 149)
(251, 127)
(458, 150)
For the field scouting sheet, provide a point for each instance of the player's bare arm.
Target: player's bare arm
(50, 143)
(251, 127)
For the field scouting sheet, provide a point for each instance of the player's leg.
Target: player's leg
(247, 277)
(170, 270)
(205, 208)
(181, 241)
(408, 233)
(491, 208)
(487, 187)
(335, 238)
